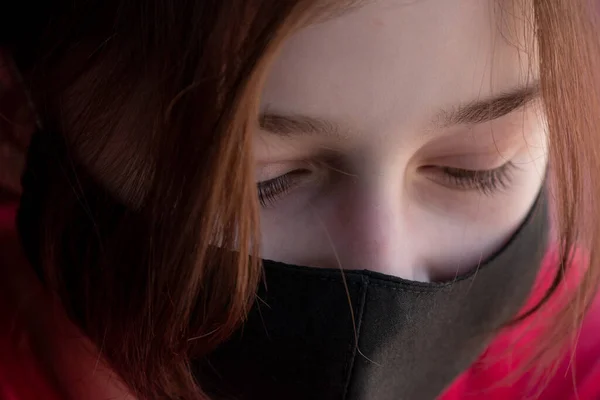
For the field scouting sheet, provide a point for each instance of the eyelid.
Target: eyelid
(484, 142)
(442, 167)
(479, 161)
(270, 171)
(486, 181)
(274, 170)
(271, 190)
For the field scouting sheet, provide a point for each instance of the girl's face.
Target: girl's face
(403, 137)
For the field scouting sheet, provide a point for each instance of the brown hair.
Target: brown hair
(148, 108)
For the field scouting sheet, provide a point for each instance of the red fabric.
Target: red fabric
(577, 377)
(20, 378)
(490, 378)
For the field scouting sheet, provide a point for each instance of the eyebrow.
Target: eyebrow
(489, 109)
(477, 112)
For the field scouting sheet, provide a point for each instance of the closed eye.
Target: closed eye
(487, 182)
(270, 191)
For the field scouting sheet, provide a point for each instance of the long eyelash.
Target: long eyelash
(487, 182)
(270, 191)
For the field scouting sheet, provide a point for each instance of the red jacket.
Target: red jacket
(492, 377)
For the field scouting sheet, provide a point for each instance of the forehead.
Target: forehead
(398, 61)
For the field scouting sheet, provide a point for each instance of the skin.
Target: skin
(375, 195)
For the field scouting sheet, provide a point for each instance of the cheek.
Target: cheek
(437, 230)
(295, 237)
(401, 227)
(468, 229)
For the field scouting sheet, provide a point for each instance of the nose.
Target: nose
(372, 226)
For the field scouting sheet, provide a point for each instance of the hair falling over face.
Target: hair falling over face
(174, 81)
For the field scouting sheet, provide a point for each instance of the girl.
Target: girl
(421, 174)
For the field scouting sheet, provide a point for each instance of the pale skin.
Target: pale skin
(374, 194)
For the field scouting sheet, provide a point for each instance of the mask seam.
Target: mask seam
(349, 367)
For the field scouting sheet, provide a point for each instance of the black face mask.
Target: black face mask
(414, 339)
